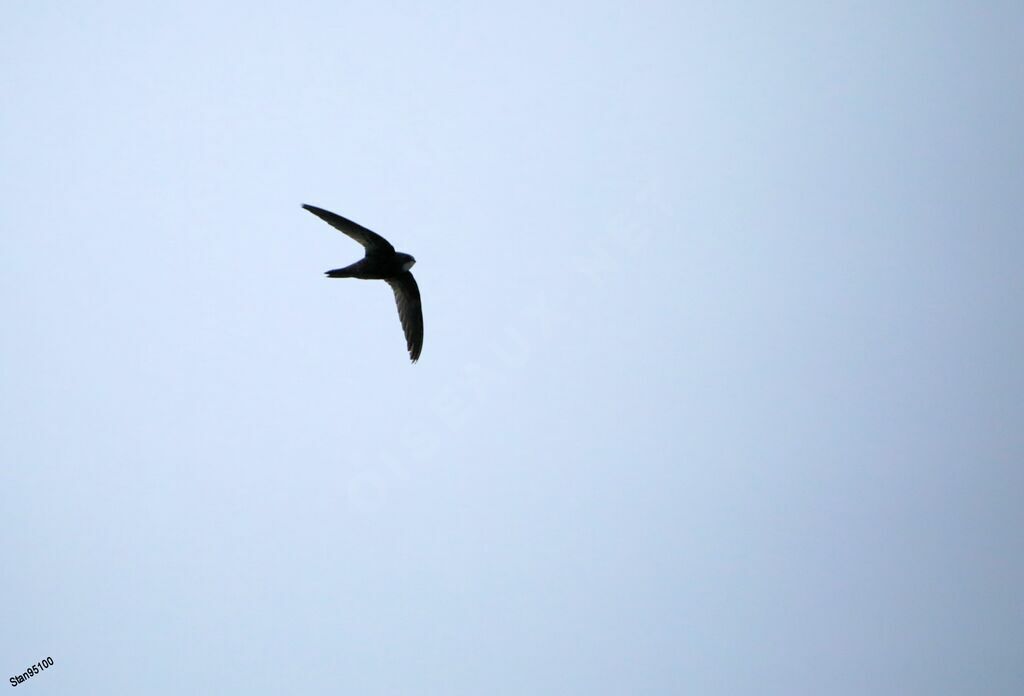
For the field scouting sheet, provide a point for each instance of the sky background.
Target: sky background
(722, 383)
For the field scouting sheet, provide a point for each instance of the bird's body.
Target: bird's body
(382, 262)
(370, 268)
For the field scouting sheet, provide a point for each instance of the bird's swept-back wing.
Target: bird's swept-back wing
(410, 311)
(374, 243)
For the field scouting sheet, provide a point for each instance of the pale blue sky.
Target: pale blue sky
(721, 390)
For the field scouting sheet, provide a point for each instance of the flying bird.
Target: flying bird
(382, 262)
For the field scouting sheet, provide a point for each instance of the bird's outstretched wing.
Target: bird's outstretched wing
(410, 311)
(373, 242)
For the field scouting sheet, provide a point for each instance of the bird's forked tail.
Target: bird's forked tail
(347, 272)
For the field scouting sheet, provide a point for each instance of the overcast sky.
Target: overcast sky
(721, 389)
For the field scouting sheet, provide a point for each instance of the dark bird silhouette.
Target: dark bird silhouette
(382, 262)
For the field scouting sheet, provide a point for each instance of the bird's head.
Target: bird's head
(406, 261)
